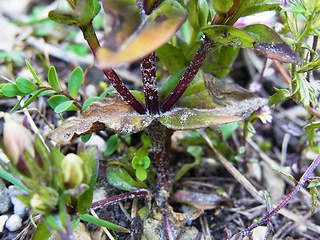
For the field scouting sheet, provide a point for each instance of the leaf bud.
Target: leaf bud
(42, 204)
(72, 169)
(17, 139)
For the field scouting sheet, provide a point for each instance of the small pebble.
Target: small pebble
(3, 219)
(14, 223)
(5, 202)
(97, 141)
(19, 207)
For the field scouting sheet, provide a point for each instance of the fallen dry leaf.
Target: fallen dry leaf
(110, 112)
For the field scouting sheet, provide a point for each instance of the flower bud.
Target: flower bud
(43, 204)
(17, 139)
(72, 169)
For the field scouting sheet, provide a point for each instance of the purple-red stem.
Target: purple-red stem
(149, 79)
(295, 190)
(188, 76)
(121, 197)
(91, 38)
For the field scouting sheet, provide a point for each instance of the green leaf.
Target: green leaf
(42, 232)
(91, 167)
(141, 174)
(220, 60)
(142, 152)
(171, 57)
(56, 100)
(228, 129)
(63, 17)
(314, 194)
(11, 90)
(103, 223)
(53, 79)
(121, 179)
(228, 36)
(86, 138)
(87, 103)
(278, 97)
(75, 82)
(34, 96)
(25, 85)
(63, 106)
(146, 162)
(271, 44)
(260, 7)
(7, 176)
(33, 73)
(113, 143)
(311, 130)
(221, 7)
(288, 175)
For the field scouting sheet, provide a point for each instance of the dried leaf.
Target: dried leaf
(195, 118)
(110, 112)
(155, 31)
(271, 44)
(196, 199)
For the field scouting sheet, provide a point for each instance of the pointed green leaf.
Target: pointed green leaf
(75, 82)
(34, 96)
(53, 79)
(103, 223)
(33, 73)
(25, 85)
(279, 96)
(260, 7)
(112, 145)
(228, 36)
(121, 179)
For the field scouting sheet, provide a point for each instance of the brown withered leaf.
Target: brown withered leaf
(110, 112)
(197, 199)
(156, 30)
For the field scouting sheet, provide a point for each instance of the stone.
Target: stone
(19, 207)
(3, 219)
(5, 203)
(14, 223)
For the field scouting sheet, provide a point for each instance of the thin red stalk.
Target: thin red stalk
(188, 76)
(92, 40)
(149, 79)
(124, 196)
(295, 190)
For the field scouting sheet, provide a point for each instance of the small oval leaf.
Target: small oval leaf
(11, 90)
(63, 106)
(75, 82)
(53, 79)
(25, 85)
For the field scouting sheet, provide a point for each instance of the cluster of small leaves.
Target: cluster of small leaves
(29, 91)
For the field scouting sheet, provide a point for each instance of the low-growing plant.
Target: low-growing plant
(182, 35)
